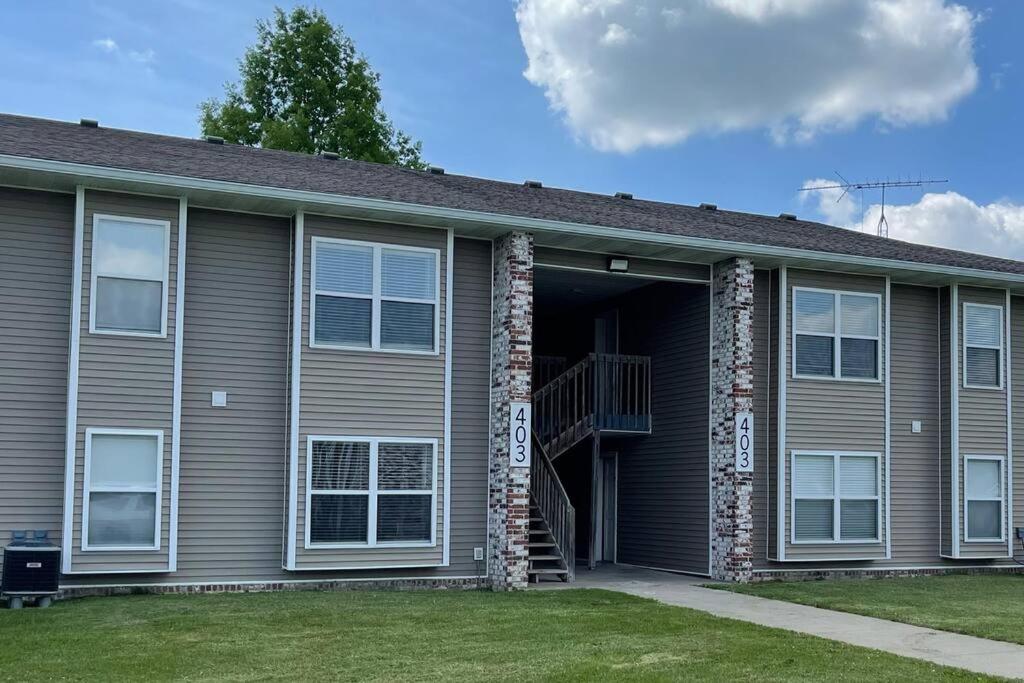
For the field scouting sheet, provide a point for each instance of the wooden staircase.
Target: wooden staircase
(603, 392)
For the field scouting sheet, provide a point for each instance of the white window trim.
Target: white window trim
(375, 297)
(94, 274)
(87, 488)
(835, 498)
(1002, 500)
(372, 493)
(965, 345)
(837, 336)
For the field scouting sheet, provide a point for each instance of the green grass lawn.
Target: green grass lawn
(537, 635)
(990, 606)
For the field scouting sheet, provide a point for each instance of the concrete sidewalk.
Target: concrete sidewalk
(979, 655)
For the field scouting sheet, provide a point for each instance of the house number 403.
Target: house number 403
(744, 442)
(519, 434)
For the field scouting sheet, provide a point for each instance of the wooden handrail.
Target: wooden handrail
(551, 499)
(602, 391)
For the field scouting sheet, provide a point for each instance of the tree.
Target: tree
(304, 88)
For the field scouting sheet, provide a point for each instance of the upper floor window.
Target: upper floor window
(129, 276)
(121, 497)
(983, 345)
(836, 334)
(374, 296)
(371, 491)
(835, 497)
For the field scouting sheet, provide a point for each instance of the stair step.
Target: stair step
(536, 519)
(539, 544)
(537, 532)
(544, 558)
(546, 570)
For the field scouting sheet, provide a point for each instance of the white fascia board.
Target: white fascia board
(509, 222)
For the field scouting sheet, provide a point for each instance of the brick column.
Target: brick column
(732, 391)
(508, 511)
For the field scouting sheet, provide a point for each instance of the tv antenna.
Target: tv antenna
(845, 185)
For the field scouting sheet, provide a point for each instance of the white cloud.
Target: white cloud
(635, 73)
(946, 219)
(105, 44)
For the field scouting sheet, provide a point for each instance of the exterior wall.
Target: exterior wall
(508, 506)
(1016, 347)
(945, 484)
(383, 394)
(765, 382)
(36, 243)
(732, 393)
(853, 411)
(663, 517)
(125, 382)
(982, 420)
(585, 260)
(914, 499)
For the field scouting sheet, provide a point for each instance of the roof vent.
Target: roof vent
(533, 183)
(330, 156)
(435, 170)
(709, 207)
(89, 123)
(787, 216)
(214, 139)
(623, 195)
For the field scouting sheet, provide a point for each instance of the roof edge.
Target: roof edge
(511, 222)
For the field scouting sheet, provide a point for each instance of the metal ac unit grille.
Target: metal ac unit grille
(30, 571)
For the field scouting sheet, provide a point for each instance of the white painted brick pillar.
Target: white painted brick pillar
(732, 391)
(508, 509)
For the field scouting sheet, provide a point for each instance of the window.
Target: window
(983, 346)
(835, 334)
(376, 297)
(983, 489)
(835, 497)
(129, 276)
(370, 492)
(121, 507)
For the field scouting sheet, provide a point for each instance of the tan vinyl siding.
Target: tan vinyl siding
(982, 417)
(565, 258)
(1017, 376)
(915, 396)
(776, 376)
(663, 478)
(36, 243)
(125, 382)
(234, 458)
(763, 383)
(833, 415)
(945, 486)
(471, 393)
(366, 393)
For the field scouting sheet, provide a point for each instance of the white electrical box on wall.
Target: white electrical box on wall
(915, 426)
(219, 399)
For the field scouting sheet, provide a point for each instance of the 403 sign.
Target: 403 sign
(519, 434)
(744, 442)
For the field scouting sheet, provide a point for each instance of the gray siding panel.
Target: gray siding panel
(946, 424)
(1017, 376)
(234, 459)
(471, 393)
(854, 413)
(125, 382)
(663, 478)
(915, 396)
(763, 383)
(36, 243)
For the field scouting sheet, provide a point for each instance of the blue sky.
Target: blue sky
(743, 119)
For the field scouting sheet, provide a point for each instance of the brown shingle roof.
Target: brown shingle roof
(69, 142)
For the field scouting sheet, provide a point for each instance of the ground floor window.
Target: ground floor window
(121, 497)
(835, 497)
(365, 491)
(984, 497)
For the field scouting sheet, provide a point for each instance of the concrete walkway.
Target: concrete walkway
(979, 655)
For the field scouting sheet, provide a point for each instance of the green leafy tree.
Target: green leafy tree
(304, 88)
